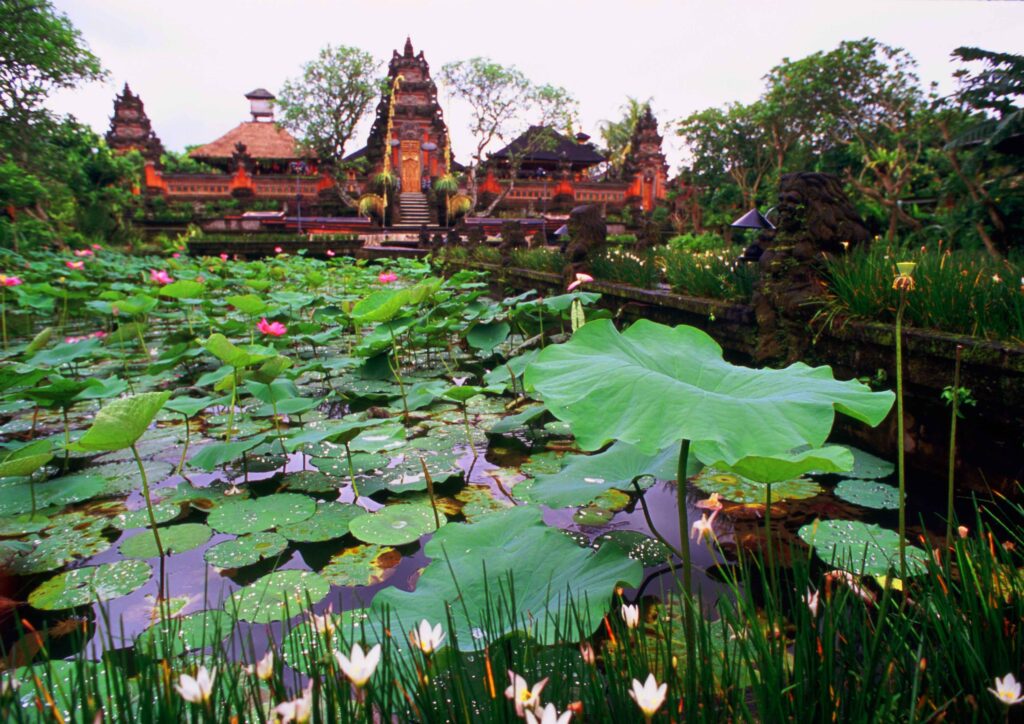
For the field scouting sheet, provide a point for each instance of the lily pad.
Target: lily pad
(17, 498)
(868, 494)
(362, 565)
(63, 544)
(123, 478)
(868, 466)
(258, 514)
(163, 512)
(277, 596)
(174, 636)
(83, 586)
(337, 463)
(330, 521)
(311, 481)
(479, 500)
(861, 548)
(175, 539)
(246, 550)
(395, 524)
(649, 551)
(736, 488)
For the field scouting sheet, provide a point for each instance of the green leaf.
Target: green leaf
(488, 335)
(238, 357)
(83, 586)
(330, 521)
(26, 459)
(553, 579)
(39, 341)
(520, 419)
(248, 304)
(395, 524)
(259, 514)
(173, 636)
(868, 494)
(216, 454)
(362, 565)
(738, 489)
(246, 550)
(339, 432)
(777, 468)
(121, 423)
(653, 386)
(182, 289)
(175, 539)
(380, 306)
(865, 549)
(277, 596)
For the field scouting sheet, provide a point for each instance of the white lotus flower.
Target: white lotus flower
(811, 599)
(264, 668)
(704, 528)
(361, 666)
(1008, 690)
(649, 696)
(297, 710)
(631, 615)
(522, 695)
(9, 685)
(324, 624)
(197, 690)
(549, 715)
(427, 638)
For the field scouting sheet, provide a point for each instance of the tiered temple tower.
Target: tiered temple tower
(130, 129)
(646, 163)
(418, 134)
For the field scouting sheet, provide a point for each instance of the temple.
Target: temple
(130, 129)
(408, 149)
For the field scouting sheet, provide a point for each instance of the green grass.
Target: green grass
(714, 274)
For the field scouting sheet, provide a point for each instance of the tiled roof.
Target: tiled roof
(262, 140)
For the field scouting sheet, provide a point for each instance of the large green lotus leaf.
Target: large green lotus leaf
(337, 463)
(488, 335)
(119, 424)
(478, 501)
(395, 524)
(205, 498)
(862, 548)
(653, 386)
(248, 304)
(216, 454)
(174, 636)
(422, 394)
(312, 481)
(163, 512)
(121, 478)
(17, 498)
(182, 289)
(26, 459)
(390, 436)
(362, 565)
(230, 354)
(588, 476)
(245, 550)
(520, 419)
(83, 586)
(63, 544)
(778, 468)
(406, 473)
(868, 494)
(649, 551)
(330, 521)
(277, 596)
(190, 406)
(175, 539)
(868, 466)
(21, 525)
(739, 489)
(545, 463)
(553, 578)
(259, 514)
(336, 431)
(380, 306)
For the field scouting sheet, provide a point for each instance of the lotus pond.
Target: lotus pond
(209, 462)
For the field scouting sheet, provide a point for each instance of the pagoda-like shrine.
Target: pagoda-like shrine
(130, 129)
(646, 163)
(409, 124)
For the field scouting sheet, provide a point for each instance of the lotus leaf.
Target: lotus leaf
(478, 501)
(868, 494)
(60, 684)
(312, 481)
(123, 477)
(362, 565)
(182, 289)
(246, 550)
(596, 379)
(83, 586)
(395, 524)
(862, 548)
(62, 545)
(248, 304)
(488, 335)
(17, 498)
(119, 424)
(473, 562)
(175, 539)
(330, 521)
(649, 551)
(867, 466)
(238, 357)
(259, 514)
(26, 459)
(216, 454)
(738, 489)
(520, 419)
(778, 468)
(163, 512)
(174, 636)
(545, 463)
(277, 596)
(338, 432)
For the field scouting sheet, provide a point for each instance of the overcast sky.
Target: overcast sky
(192, 61)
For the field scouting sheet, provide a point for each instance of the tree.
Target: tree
(40, 52)
(325, 104)
(503, 102)
(618, 135)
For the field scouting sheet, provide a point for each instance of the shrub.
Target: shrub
(718, 275)
(705, 241)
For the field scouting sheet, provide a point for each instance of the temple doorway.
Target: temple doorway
(411, 170)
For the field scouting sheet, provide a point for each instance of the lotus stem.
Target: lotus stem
(396, 370)
(149, 506)
(430, 491)
(67, 438)
(3, 315)
(351, 473)
(184, 452)
(900, 464)
(689, 625)
(952, 446)
(469, 432)
(231, 405)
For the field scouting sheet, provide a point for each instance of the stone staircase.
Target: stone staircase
(415, 210)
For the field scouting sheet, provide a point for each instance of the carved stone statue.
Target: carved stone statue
(816, 220)
(475, 236)
(512, 239)
(588, 236)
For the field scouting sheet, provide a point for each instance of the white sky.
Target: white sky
(191, 61)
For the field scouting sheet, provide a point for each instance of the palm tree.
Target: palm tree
(618, 135)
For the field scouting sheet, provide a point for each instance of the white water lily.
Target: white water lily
(548, 715)
(197, 690)
(428, 639)
(459, 381)
(264, 668)
(649, 696)
(631, 615)
(360, 667)
(704, 528)
(1008, 690)
(522, 695)
(812, 600)
(297, 710)
(324, 624)
(8, 685)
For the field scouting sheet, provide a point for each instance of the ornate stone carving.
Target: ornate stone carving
(588, 236)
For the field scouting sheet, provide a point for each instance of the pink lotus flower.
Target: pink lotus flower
(10, 281)
(96, 247)
(223, 257)
(76, 265)
(160, 277)
(387, 277)
(278, 250)
(83, 252)
(98, 334)
(580, 279)
(273, 329)
(330, 252)
(175, 255)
